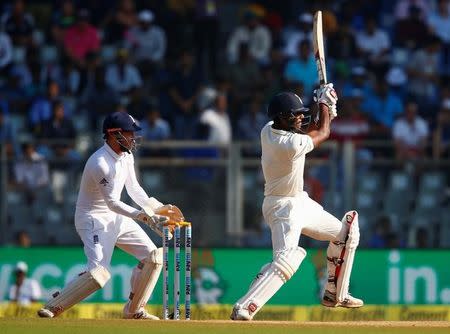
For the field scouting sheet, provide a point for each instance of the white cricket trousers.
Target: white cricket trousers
(100, 237)
(288, 217)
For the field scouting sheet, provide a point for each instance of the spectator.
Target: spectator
(62, 19)
(351, 124)
(41, 109)
(441, 135)
(382, 234)
(25, 290)
(253, 33)
(65, 74)
(214, 115)
(301, 32)
(147, 41)
(122, 76)
(206, 30)
(60, 131)
(373, 45)
(411, 31)
(302, 69)
(382, 106)
(341, 46)
(81, 38)
(19, 25)
(252, 120)
(402, 8)
(185, 85)
(410, 133)
(23, 239)
(6, 51)
(245, 77)
(359, 81)
(439, 21)
(423, 71)
(122, 18)
(31, 173)
(8, 135)
(98, 98)
(154, 128)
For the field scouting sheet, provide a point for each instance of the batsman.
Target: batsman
(289, 211)
(103, 221)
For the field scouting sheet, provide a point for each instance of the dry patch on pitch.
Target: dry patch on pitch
(347, 324)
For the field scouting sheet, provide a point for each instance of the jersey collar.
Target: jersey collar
(112, 153)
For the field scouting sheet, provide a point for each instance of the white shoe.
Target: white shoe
(240, 313)
(44, 313)
(141, 314)
(329, 300)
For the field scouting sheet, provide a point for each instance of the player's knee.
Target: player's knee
(100, 274)
(155, 256)
(350, 229)
(288, 261)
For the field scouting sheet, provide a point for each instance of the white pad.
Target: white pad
(271, 279)
(145, 281)
(340, 257)
(78, 289)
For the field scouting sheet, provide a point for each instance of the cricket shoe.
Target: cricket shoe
(240, 313)
(329, 300)
(44, 313)
(141, 314)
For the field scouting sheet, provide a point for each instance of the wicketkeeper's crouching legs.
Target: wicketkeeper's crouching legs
(340, 256)
(78, 289)
(143, 281)
(268, 281)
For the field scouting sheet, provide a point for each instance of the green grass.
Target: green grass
(82, 326)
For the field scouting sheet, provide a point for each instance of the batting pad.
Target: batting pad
(78, 289)
(146, 280)
(341, 256)
(271, 279)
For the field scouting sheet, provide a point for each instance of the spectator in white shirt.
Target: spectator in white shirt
(253, 33)
(373, 44)
(410, 133)
(122, 76)
(213, 106)
(25, 290)
(147, 41)
(31, 173)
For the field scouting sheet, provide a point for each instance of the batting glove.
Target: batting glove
(326, 95)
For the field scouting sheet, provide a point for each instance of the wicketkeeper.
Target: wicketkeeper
(103, 221)
(289, 211)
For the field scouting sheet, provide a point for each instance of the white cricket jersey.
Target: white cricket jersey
(283, 160)
(104, 176)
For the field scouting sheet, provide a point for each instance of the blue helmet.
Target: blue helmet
(119, 121)
(286, 105)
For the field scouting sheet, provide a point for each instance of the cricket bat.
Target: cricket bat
(319, 53)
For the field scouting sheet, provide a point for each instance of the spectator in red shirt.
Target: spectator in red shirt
(81, 38)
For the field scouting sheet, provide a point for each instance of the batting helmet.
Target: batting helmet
(286, 104)
(119, 121)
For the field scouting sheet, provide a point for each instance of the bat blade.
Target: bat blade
(319, 53)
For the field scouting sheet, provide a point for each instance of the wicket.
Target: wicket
(177, 264)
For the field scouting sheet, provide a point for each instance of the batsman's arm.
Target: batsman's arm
(322, 133)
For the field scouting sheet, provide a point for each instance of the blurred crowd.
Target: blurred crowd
(205, 69)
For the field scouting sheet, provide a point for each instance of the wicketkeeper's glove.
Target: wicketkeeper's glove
(156, 222)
